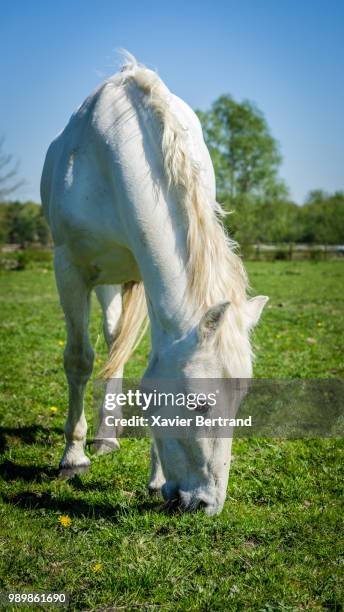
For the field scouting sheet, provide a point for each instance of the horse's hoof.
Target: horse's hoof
(66, 473)
(103, 447)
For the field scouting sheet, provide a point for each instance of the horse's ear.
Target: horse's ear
(211, 321)
(255, 307)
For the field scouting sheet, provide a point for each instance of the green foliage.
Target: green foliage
(277, 544)
(28, 258)
(23, 224)
(265, 221)
(246, 157)
(322, 218)
(319, 221)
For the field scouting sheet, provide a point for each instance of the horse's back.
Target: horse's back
(72, 184)
(101, 173)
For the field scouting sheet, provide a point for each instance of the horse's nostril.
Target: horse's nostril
(193, 503)
(172, 497)
(172, 505)
(179, 499)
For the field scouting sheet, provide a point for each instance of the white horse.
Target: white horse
(128, 189)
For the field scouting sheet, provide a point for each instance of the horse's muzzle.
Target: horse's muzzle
(189, 501)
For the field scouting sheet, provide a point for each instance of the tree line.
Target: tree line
(319, 221)
(247, 161)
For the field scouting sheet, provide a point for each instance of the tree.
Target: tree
(246, 157)
(23, 224)
(265, 221)
(8, 173)
(42, 228)
(323, 218)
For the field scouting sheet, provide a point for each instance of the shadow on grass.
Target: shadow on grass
(79, 485)
(78, 508)
(30, 473)
(73, 506)
(29, 434)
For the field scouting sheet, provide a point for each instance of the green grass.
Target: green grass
(277, 543)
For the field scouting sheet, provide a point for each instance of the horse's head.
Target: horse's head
(196, 468)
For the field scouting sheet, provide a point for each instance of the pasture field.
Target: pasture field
(276, 546)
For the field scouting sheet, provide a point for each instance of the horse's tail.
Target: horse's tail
(132, 326)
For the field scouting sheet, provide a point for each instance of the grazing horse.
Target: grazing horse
(128, 189)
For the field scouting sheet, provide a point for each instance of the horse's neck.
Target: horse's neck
(155, 222)
(164, 272)
(158, 239)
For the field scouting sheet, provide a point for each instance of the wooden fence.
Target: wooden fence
(291, 251)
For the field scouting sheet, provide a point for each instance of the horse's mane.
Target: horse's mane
(215, 271)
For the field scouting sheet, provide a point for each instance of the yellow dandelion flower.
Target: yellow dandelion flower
(61, 343)
(97, 567)
(65, 520)
(53, 409)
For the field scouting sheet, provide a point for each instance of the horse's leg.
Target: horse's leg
(110, 299)
(78, 356)
(157, 478)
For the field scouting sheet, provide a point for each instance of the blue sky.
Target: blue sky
(285, 55)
